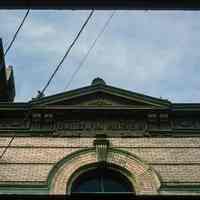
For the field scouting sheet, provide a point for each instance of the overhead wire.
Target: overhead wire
(90, 49)
(6, 51)
(41, 93)
(17, 32)
(6, 148)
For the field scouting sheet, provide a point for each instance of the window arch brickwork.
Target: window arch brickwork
(143, 178)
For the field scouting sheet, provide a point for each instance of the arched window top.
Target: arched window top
(101, 180)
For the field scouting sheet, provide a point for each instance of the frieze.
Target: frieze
(186, 123)
(13, 123)
(48, 121)
(38, 121)
(76, 125)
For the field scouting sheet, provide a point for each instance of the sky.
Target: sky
(151, 52)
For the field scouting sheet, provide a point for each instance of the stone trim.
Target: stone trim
(101, 145)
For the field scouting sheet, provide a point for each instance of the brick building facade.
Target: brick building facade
(47, 143)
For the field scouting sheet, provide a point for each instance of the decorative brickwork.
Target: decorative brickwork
(143, 178)
(61, 175)
(176, 160)
(141, 142)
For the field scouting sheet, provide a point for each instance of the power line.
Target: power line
(6, 148)
(66, 54)
(16, 33)
(89, 50)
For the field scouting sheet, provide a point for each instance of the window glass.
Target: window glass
(101, 180)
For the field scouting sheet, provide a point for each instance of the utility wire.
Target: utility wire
(89, 50)
(16, 33)
(66, 54)
(6, 148)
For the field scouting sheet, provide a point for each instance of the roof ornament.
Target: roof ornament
(98, 81)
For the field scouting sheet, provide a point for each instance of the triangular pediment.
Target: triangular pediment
(101, 95)
(99, 98)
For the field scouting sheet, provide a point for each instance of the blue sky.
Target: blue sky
(150, 52)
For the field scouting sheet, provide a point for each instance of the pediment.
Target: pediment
(101, 96)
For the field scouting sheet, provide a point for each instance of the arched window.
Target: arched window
(101, 180)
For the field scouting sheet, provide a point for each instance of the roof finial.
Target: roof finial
(98, 81)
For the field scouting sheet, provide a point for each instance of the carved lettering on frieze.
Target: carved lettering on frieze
(47, 121)
(86, 125)
(100, 125)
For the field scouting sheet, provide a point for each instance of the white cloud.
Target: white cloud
(148, 52)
